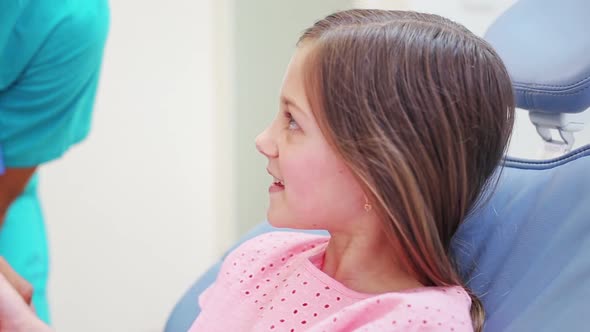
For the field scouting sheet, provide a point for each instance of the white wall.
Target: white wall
(130, 212)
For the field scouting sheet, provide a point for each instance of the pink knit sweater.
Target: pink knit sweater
(275, 283)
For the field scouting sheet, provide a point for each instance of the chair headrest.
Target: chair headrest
(545, 44)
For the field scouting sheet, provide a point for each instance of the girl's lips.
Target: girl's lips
(276, 187)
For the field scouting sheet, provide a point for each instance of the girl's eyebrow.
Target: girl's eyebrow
(290, 103)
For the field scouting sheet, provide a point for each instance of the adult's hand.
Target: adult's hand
(16, 314)
(22, 287)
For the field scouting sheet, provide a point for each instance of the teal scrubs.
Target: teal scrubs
(50, 59)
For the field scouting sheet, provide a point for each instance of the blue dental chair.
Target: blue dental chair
(526, 251)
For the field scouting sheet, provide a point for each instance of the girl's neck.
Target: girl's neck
(366, 262)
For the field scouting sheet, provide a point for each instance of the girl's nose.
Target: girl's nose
(266, 145)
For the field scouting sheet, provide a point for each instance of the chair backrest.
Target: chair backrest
(526, 252)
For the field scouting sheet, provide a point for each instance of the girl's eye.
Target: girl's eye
(292, 123)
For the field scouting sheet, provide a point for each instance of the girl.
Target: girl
(390, 126)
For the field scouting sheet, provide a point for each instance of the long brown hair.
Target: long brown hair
(421, 110)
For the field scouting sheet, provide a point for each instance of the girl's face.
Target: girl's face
(311, 187)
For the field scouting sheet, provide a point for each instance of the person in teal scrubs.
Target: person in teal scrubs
(50, 59)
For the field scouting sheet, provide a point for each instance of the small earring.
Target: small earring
(368, 207)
